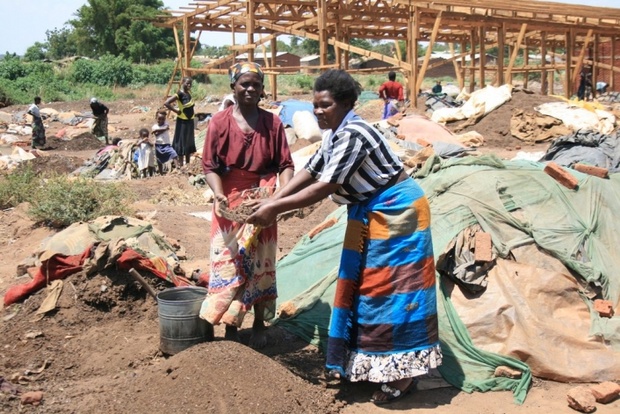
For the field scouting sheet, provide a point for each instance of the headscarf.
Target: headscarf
(239, 69)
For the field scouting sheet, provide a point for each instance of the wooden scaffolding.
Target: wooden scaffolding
(563, 38)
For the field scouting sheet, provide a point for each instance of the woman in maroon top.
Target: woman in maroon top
(245, 148)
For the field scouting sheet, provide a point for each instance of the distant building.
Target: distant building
(440, 65)
(283, 60)
(368, 63)
(307, 63)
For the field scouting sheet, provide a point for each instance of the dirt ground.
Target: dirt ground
(99, 350)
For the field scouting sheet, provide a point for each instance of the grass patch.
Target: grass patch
(59, 201)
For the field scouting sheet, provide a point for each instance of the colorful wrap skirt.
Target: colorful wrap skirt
(384, 320)
(243, 258)
(38, 133)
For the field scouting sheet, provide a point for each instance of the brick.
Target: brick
(392, 121)
(324, 225)
(592, 170)
(605, 392)
(604, 308)
(561, 175)
(581, 399)
(424, 142)
(32, 397)
(504, 371)
(483, 247)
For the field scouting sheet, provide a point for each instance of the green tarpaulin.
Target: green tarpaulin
(514, 201)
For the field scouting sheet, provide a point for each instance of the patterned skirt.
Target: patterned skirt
(384, 321)
(38, 133)
(243, 259)
(100, 127)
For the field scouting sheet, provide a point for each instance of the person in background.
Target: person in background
(100, 112)
(146, 156)
(392, 94)
(163, 150)
(38, 129)
(585, 84)
(601, 87)
(245, 150)
(384, 326)
(437, 89)
(184, 142)
(229, 100)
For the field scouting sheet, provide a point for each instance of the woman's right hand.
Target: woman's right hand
(219, 201)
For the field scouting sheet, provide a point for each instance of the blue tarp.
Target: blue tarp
(290, 107)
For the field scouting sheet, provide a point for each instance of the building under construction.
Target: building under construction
(548, 39)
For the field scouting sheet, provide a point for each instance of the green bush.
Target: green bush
(61, 201)
(17, 187)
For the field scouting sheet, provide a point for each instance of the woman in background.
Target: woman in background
(184, 143)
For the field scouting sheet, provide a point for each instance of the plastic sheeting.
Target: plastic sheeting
(590, 148)
(480, 103)
(578, 118)
(524, 315)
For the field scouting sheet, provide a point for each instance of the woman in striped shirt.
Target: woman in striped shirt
(383, 325)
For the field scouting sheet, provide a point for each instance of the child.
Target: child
(146, 158)
(163, 149)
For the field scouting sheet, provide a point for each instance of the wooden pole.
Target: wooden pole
(515, 52)
(322, 23)
(612, 80)
(472, 60)
(595, 59)
(483, 56)
(568, 45)
(249, 27)
(457, 70)
(463, 63)
(429, 50)
(412, 54)
(526, 62)
(501, 37)
(552, 72)
(544, 84)
(582, 54)
(186, 47)
(273, 78)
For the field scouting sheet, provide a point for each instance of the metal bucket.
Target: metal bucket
(179, 324)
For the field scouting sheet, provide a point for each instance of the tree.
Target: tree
(61, 43)
(121, 28)
(35, 52)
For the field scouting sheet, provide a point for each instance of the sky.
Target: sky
(26, 23)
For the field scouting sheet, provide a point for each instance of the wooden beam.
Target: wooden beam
(249, 27)
(413, 31)
(429, 50)
(582, 55)
(322, 14)
(457, 70)
(483, 61)
(515, 53)
(544, 84)
(472, 60)
(501, 35)
(568, 45)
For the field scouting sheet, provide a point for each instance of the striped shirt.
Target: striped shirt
(356, 156)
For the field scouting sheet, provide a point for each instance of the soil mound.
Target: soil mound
(219, 376)
(84, 141)
(495, 127)
(53, 164)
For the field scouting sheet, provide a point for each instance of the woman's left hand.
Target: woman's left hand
(264, 214)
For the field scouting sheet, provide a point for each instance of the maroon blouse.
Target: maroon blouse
(264, 150)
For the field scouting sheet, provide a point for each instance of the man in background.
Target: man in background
(392, 94)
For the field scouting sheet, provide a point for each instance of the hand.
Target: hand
(264, 214)
(219, 201)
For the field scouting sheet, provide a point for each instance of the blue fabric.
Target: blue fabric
(290, 107)
(385, 300)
